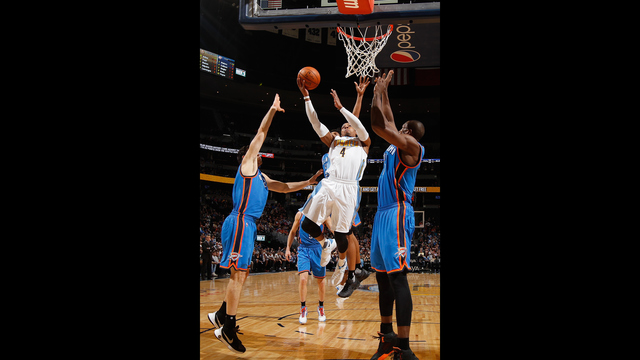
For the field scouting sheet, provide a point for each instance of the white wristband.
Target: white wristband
(306, 98)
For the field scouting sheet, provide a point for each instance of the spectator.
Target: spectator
(215, 260)
(207, 248)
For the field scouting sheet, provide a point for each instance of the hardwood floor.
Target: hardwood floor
(268, 319)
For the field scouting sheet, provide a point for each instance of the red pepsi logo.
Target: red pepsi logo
(405, 56)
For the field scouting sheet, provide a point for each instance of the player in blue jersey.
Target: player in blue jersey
(309, 252)
(238, 234)
(394, 221)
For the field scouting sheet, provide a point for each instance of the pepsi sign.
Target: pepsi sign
(405, 56)
(411, 45)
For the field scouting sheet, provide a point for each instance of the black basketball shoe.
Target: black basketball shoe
(233, 343)
(362, 274)
(385, 347)
(349, 287)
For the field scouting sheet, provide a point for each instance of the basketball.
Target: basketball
(311, 77)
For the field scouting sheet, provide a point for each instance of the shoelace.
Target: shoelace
(237, 330)
(379, 337)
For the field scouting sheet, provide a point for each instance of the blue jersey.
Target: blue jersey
(249, 194)
(306, 239)
(397, 180)
(325, 163)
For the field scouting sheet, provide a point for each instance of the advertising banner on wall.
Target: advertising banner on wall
(411, 45)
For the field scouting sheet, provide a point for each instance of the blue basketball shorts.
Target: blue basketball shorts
(238, 235)
(393, 228)
(309, 260)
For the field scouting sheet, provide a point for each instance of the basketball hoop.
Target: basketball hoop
(362, 50)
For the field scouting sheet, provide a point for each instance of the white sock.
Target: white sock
(341, 262)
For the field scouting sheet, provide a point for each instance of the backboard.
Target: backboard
(298, 14)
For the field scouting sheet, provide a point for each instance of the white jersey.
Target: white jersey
(347, 159)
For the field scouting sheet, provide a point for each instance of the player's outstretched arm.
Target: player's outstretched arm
(323, 132)
(360, 89)
(250, 162)
(363, 135)
(382, 121)
(287, 187)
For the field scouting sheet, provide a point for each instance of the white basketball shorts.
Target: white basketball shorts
(336, 198)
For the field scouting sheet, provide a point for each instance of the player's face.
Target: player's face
(259, 160)
(405, 128)
(347, 130)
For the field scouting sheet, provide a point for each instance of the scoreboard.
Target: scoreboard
(217, 64)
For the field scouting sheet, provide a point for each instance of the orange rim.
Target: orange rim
(366, 39)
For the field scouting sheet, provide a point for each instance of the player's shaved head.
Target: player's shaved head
(417, 129)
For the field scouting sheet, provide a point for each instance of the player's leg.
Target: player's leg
(227, 234)
(388, 338)
(227, 334)
(352, 251)
(404, 305)
(316, 210)
(304, 277)
(234, 289)
(343, 211)
(315, 232)
(237, 250)
(360, 272)
(319, 272)
(400, 285)
(386, 297)
(321, 289)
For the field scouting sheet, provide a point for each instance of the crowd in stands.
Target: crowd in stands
(268, 256)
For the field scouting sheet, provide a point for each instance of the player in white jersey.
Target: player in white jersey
(340, 189)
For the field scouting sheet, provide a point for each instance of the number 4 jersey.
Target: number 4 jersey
(347, 159)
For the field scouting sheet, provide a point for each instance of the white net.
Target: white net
(362, 50)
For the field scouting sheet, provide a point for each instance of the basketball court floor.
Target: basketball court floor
(268, 319)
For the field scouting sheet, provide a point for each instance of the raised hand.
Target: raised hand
(276, 104)
(382, 83)
(336, 99)
(301, 83)
(360, 88)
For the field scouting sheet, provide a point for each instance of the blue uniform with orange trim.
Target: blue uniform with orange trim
(239, 228)
(394, 222)
(309, 253)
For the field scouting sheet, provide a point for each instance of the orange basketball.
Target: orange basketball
(311, 77)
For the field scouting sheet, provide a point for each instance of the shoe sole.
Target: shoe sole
(214, 321)
(337, 279)
(218, 334)
(331, 248)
